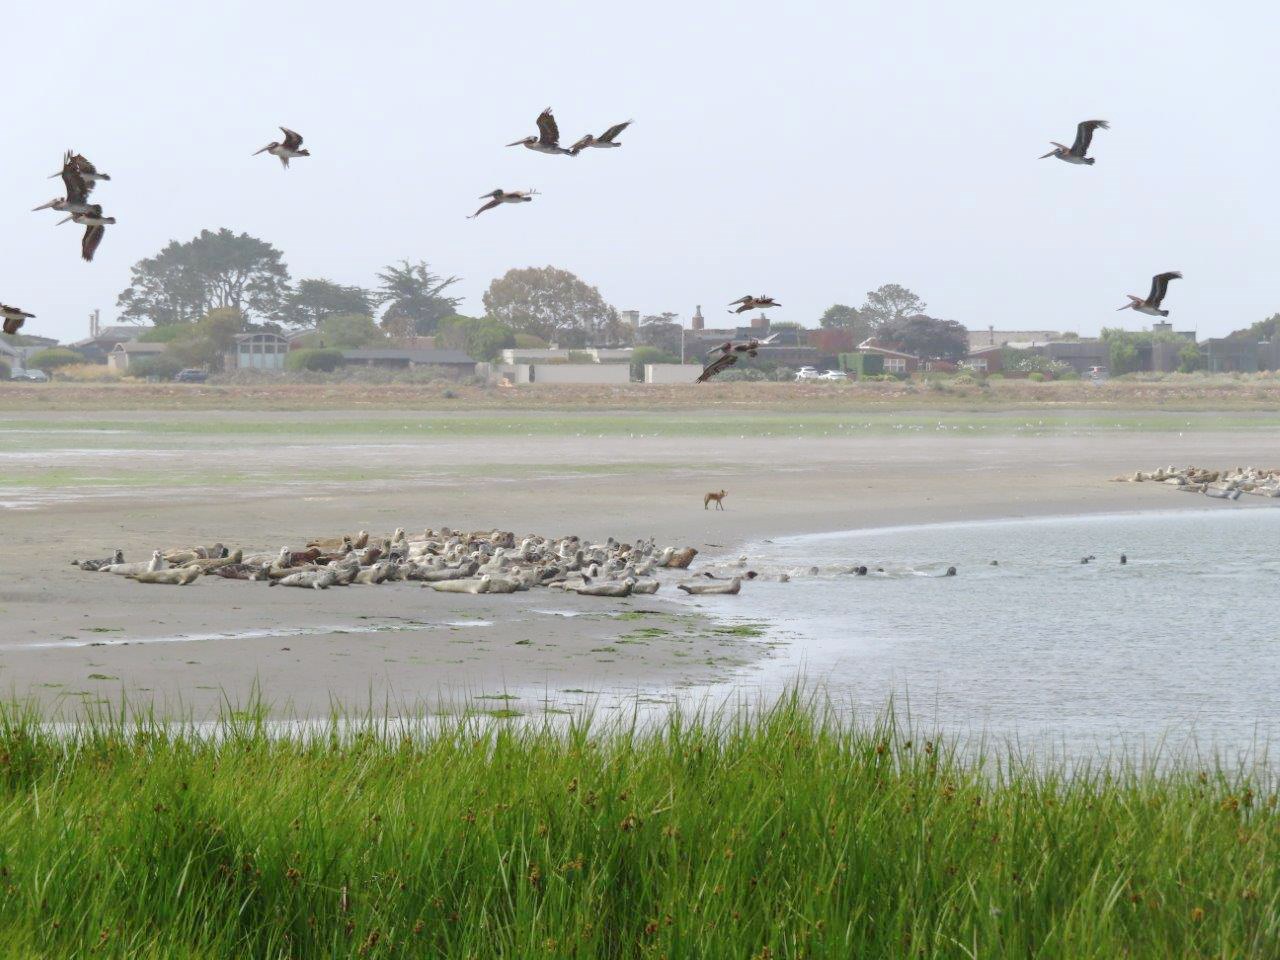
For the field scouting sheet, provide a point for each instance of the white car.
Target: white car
(808, 373)
(834, 375)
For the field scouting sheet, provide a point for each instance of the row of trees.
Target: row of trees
(221, 270)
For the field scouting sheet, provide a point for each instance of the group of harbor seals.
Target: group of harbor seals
(1226, 484)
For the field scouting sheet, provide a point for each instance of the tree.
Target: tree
(928, 338)
(346, 331)
(162, 367)
(313, 300)
(212, 271)
(888, 304)
(414, 299)
(206, 342)
(321, 361)
(1190, 358)
(53, 358)
(643, 355)
(553, 304)
(838, 316)
(663, 331)
(1122, 349)
(481, 338)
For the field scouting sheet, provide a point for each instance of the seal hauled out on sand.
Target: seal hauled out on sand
(480, 585)
(178, 576)
(117, 557)
(126, 569)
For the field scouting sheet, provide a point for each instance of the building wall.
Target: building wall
(671, 372)
(567, 372)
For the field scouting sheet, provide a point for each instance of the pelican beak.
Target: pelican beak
(518, 143)
(1127, 306)
(1049, 154)
(44, 206)
(54, 176)
(263, 150)
(65, 220)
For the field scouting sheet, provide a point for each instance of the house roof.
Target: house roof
(413, 356)
(976, 351)
(259, 333)
(870, 344)
(134, 346)
(116, 332)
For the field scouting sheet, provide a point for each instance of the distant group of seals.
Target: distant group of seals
(1226, 484)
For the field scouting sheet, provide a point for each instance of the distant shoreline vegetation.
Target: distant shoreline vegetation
(780, 832)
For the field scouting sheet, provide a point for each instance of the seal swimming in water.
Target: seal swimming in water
(714, 587)
(117, 557)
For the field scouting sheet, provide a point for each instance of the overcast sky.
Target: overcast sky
(810, 151)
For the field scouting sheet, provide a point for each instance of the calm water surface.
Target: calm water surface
(1182, 644)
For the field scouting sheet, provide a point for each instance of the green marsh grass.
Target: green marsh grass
(784, 831)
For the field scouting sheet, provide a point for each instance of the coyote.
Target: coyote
(717, 497)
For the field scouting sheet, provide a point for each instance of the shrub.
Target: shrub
(324, 360)
(162, 366)
(527, 341)
(88, 373)
(1035, 376)
(53, 358)
(5, 372)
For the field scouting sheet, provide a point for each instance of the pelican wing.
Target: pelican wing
(716, 366)
(78, 189)
(1084, 135)
(582, 144)
(747, 299)
(548, 132)
(609, 135)
(292, 139)
(488, 206)
(92, 237)
(1160, 286)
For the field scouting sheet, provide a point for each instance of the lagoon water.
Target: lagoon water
(1179, 648)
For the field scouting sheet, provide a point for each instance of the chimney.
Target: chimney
(697, 322)
(95, 323)
(991, 334)
(632, 317)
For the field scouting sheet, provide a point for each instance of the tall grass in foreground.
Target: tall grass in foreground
(783, 832)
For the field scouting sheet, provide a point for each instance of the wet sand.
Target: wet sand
(68, 637)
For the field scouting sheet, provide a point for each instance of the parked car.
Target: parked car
(807, 373)
(190, 375)
(834, 375)
(1098, 373)
(30, 376)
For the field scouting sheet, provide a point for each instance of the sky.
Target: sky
(808, 151)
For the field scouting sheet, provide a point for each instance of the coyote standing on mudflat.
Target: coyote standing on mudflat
(717, 497)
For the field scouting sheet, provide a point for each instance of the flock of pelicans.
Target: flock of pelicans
(445, 560)
(80, 177)
(1219, 484)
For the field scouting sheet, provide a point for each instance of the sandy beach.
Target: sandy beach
(261, 481)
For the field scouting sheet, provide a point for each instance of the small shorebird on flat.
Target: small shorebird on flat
(497, 198)
(80, 163)
(751, 303)
(1076, 152)
(77, 187)
(13, 318)
(548, 138)
(605, 140)
(290, 148)
(1151, 305)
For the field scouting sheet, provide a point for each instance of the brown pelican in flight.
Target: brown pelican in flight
(77, 187)
(1084, 136)
(82, 166)
(13, 318)
(292, 147)
(1151, 305)
(606, 139)
(548, 138)
(728, 354)
(497, 198)
(750, 303)
(95, 225)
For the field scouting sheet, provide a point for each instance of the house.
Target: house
(896, 360)
(261, 350)
(1080, 355)
(454, 360)
(124, 355)
(1237, 353)
(985, 359)
(102, 340)
(565, 355)
(991, 337)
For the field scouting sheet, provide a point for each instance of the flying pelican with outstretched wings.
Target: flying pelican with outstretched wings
(77, 191)
(1076, 152)
(751, 303)
(548, 138)
(498, 197)
(13, 318)
(1151, 305)
(288, 149)
(607, 139)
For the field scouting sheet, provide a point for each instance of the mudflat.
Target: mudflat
(73, 485)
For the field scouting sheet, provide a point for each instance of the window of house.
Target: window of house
(895, 365)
